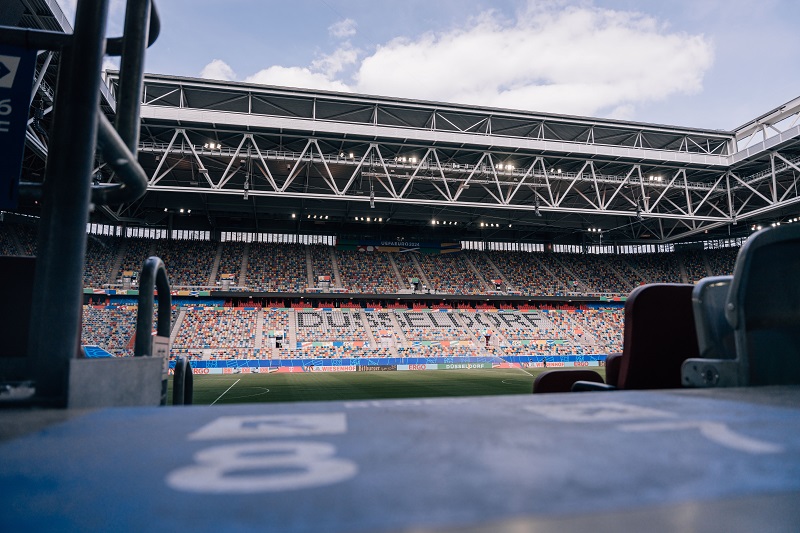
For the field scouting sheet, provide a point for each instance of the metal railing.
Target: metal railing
(78, 128)
(154, 276)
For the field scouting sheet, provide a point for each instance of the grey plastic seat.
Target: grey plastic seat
(715, 338)
(762, 308)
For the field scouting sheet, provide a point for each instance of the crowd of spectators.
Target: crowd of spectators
(188, 262)
(450, 274)
(329, 325)
(109, 327)
(695, 265)
(230, 332)
(595, 273)
(136, 251)
(432, 326)
(367, 272)
(653, 268)
(722, 260)
(405, 264)
(230, 261)
(481, 263)
(525, 273)
(273, 267)
(27, 236)
(321, 263)
(100, 255)
(217, 327)
(7, 244)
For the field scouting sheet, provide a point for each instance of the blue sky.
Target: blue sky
(704, 63)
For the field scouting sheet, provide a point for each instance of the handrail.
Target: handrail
(154, 275)
(123, 162)
(118, 146)
(183, 382)
(139, 22)
(53, 40)
(114, 45)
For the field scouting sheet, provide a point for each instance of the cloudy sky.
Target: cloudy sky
(704, 63)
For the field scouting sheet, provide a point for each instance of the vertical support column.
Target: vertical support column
(58, 282)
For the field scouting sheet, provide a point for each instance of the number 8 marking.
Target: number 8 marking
(262, 467)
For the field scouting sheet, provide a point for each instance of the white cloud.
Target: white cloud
(336, 62)
(296, 77)
(218, 70)
(566, 59)
(343, 28)
(552, 56)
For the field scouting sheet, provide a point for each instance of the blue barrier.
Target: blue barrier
(391, 361)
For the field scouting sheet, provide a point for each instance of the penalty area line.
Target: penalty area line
(226, 391)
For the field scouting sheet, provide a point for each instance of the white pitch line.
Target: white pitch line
(226, 391)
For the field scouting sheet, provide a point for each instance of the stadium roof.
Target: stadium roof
(247, 157)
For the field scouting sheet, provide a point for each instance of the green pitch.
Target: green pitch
(325, 386)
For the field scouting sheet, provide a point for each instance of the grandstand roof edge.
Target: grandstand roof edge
(429, 103)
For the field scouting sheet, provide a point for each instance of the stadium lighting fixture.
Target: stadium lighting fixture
(352, 155)
(341, 154)
(368, 219)
(165, 209)
(189, 211)
(379, 220)
(500, 166)
(326, 217)
(356, 219)
(182, 211)
(308, 216)
(294, 216)
(455, 223)
(559, 171)
(413, 159)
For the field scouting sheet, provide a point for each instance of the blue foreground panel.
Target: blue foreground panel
(488, 463)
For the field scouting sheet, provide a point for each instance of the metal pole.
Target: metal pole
(58, 280)
(131, 76)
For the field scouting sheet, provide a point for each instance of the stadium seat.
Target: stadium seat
(763, 309)
(659, 336)
(562, 380)
(714, 333)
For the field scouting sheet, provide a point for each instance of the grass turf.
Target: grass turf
(325, 386)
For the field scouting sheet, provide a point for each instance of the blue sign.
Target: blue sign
(16, 78)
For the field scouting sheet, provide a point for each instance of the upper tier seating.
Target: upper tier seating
(276, 267)
(367, 272)
(188, 263)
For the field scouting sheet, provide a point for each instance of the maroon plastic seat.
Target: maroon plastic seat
(659, 335)
(562, 380)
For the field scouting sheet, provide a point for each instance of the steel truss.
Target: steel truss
(289, 147)
(674, 202)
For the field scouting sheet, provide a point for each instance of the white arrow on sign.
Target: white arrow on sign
(8, 71)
